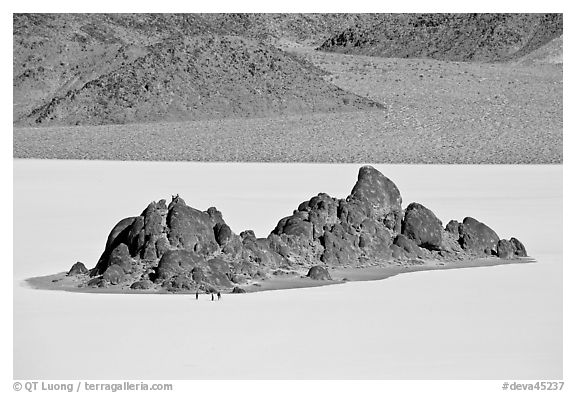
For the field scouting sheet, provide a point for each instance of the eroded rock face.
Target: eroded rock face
(378, 196)
(175, 263)
(344, 231)
(179, 248)
(422, 226)
(191, 229)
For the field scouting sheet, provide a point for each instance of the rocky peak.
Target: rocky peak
(379, 197)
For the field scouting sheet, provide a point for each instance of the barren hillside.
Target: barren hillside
(74, 69)
(454, 37)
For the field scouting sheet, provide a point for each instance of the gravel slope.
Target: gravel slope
(354, 137)
(435, 112)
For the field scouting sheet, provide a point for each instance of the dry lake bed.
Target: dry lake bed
(498, 322)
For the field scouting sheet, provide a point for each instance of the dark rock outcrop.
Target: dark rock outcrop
(509, 249)
(406, 248)
(238, 290)
(505, 249)
(344, 231)
(318, 273)
(114, 275)
(453, 227)
(179, 248)
(76, 269)
(143, 285)
(175, 263)
(378, 196)
(520, 250)
(476, 236)
(422, 226)
(191, 229)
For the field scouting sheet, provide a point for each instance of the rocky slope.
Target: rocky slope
(454, 37)
(74, 69)
(175, 247)
(199, 78)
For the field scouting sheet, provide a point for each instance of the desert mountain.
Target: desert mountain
(454, 37)
(75, 69)
(92, 69)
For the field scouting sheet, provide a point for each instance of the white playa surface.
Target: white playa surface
(502, 322)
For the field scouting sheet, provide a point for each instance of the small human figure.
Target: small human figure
(219, 295)
(196, 295)
(212, 296)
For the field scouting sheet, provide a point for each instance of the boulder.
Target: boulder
(114, 275)
(318, 273)
(179, 283)
(353, 212)
(155, 218)
(121, 256)
(322, 210)
(77, 268)
(477, 237)
(118, 234)
(453, 227)
(408, 246)
(215, 215)
(222, 233)
(218, 273)
(397, 252)
(520, 250)
(248, 236)
(277, 245)
(379, 197)
(505, 249)
(162, 245)
(136, 238)
(421, 225)
(142, 284)
(176, 262)
(238, 290)
(339, 247)
(513, 248)
(294, 226)
(191, 229)
(97, 282)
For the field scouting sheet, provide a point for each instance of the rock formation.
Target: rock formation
(179, 248)
(77, 268)
(318, 273)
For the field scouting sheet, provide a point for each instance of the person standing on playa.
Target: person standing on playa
(212, 296)
(219, 295)
(196, 295)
